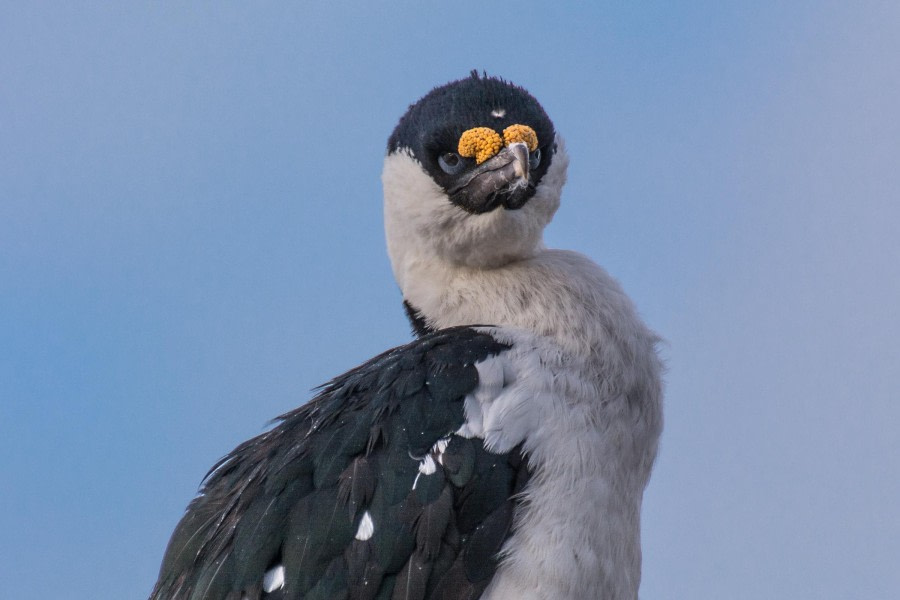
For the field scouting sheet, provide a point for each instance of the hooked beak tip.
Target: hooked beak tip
(520, 159)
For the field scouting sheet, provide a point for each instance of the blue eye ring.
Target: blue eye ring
(451, 163)
(534, 158)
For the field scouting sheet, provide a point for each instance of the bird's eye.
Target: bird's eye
(451, 163)
(534, 158)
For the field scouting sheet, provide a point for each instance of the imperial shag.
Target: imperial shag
(504, 453)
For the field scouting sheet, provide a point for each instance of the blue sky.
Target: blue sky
(191, 239)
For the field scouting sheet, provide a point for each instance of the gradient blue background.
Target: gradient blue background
(191, 239)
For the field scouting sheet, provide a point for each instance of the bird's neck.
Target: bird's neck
(558, 294)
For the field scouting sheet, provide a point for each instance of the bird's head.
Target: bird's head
(472, 176)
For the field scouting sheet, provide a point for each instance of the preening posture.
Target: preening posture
(501, 455)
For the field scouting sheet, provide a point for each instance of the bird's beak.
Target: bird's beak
(519, 153)
(500, 180)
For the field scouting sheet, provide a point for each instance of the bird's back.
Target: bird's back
(361, 493)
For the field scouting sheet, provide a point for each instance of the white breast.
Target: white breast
(577, 532)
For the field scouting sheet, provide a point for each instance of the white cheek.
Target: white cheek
(413, 205)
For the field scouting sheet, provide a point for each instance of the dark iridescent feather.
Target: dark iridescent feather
(295, 495)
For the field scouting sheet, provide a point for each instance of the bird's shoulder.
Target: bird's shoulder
(370, 490)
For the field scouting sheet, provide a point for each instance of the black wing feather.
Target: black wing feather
(295, 495)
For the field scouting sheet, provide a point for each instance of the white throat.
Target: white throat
(422, 225)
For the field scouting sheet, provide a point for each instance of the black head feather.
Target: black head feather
(433, 126)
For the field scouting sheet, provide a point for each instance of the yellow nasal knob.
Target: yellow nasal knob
(479, 142)
(521, 133)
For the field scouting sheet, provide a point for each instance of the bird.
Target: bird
(501, 454)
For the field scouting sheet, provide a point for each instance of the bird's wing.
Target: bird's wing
(371, 490)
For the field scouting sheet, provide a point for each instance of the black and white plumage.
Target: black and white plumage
(501, 455)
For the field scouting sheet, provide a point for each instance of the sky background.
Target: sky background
(191, 240)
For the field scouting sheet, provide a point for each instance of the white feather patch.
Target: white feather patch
(439, 448)
(273, 579)
(472, 426)
(441, 445)
(366, 527)
(427, 466)
(492, 377)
